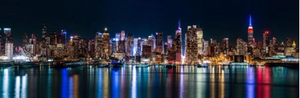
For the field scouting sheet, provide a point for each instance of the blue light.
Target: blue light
(250, 21)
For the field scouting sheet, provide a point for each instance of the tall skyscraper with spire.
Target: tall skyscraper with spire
(250, 33)
(178, 44)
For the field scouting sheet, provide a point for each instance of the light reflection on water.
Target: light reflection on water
(151, 82)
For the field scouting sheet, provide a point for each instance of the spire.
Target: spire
(250, 21)
(179, 24)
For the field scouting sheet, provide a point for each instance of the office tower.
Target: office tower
(114, 45)
(25, 39)
(7, 35)
(122, 36)
(9, 50)
(159, 42)
(63, 37)
(129, 43)
(260, 45)
(225, 45)
(146, 52)
(106, 44)
(44, 31)
(288, 42)
(177, 44)
(53, 38)
(83, 48)
(191, 44)
(169, 41)
(266, 40)
(151, 43)
(199, 33)
(91, 48)
(98, 45)
(139, 47)
(250, 33)
(241, 47)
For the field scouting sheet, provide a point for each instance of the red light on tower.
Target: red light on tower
(266, 32)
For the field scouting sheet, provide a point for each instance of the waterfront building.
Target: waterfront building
(241, 47)
(9, 50)
(225, 45)
(106, 44)
(250, 34)
(191, 45)
(129, 45)
(266, 40)
(199, 33)
(98, 45)
(159, 42)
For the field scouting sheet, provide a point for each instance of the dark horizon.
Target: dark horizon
(142, 18)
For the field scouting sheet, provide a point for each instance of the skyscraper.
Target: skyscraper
(191, 45)
(266, 40)
(225, 45)
(98, 45)
(241, 47)
(199, 33)
(159, 42)
(250, 33)
(106, 44)
(129, 43)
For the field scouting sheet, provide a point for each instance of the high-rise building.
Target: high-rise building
(151, 43)
(191, 53)
(91, 48)
(98, 45)
(106, 44)
(250, 33)
(169, 41)
(63, 37)
(266, 40)
(114, 45)
(199, 33)
(225, 45)
(7, 34)
(44, 31)
(122, 36)
(241, 47)
(288, 42)
(53, 38)
(9, 50)
(25, 39)
(159, 42)
(129, 45)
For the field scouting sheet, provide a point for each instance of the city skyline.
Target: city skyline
(257, 38)
(225, 18)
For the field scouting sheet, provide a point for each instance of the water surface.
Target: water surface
(150, 82)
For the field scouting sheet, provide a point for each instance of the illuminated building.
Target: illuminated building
(177, 50)
(241, 47)
(225, 45)
(151, 42)
(191, 53)
(25, 39)
(63, 37)
(139, 47)
(91, 48)
(114, 45)
(266, 40)
(288, 42)
(169, 41)
(129, 43)
(1, 53)
(9, 49)
(53, 38)
(98, 45)
(146, 53)
(106, 44)
(44, 31)
(250, 33)
(159, 43)
(199, 33)
(122, 36)
(7, 35)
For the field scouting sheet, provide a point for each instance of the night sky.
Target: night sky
(217, 18)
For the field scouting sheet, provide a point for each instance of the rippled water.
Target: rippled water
(150, 82)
